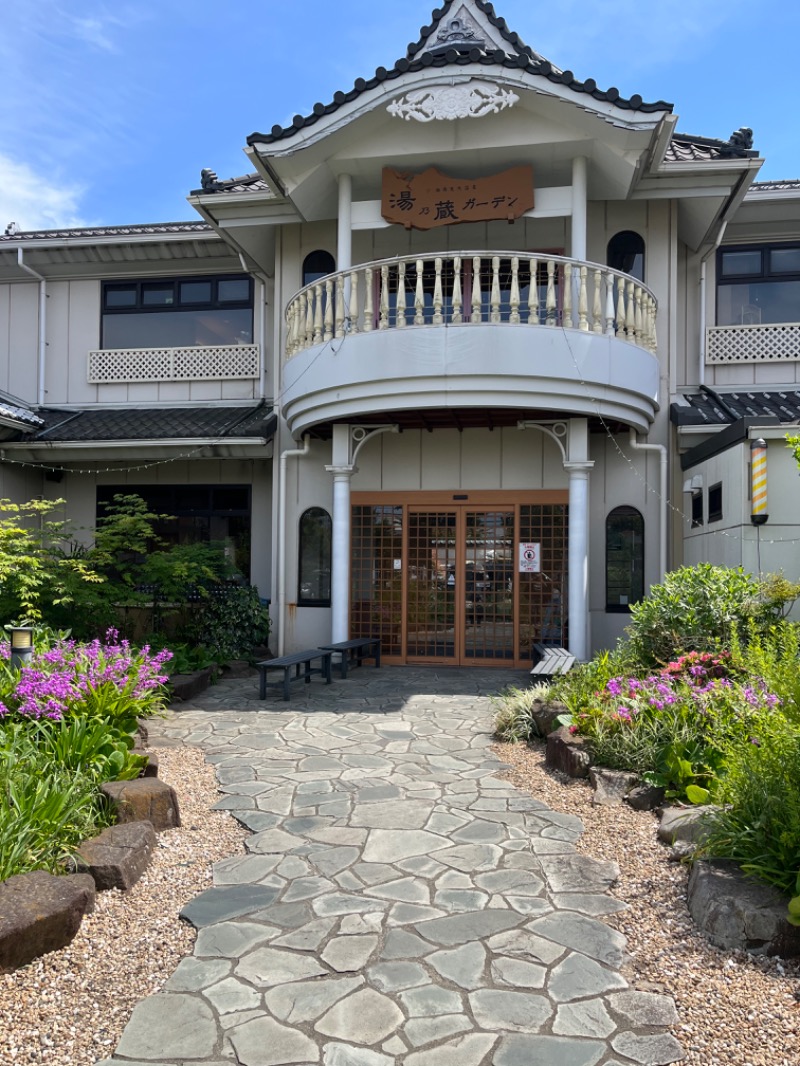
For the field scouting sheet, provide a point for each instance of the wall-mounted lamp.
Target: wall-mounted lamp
(21, 645)
(693, 484)
(758, 481)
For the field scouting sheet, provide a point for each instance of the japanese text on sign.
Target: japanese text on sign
(430, 199)
(530, 558)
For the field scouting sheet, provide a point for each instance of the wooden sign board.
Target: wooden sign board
(431, 199)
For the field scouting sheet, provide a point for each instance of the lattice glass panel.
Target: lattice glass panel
(543, 596)
(376, 576)
(224, 363)
(753, 344)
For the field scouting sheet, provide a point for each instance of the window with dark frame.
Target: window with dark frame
(185, 312)
(314, 558)
(758, 284)
(697, 508)
(196, 514)
(316, 265)
(624, 559)
(715, 502)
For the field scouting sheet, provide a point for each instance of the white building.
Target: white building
(470, 358)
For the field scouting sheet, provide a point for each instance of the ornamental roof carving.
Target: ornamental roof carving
(506, 51)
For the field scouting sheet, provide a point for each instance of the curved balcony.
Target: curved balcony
(471, 330)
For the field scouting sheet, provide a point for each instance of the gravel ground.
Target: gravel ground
(70, 1007)
(735, 1010)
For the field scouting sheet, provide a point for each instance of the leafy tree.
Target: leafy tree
(794, 444)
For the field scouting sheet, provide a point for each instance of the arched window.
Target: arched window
(626, 253)
(314, 570)
(624, 558)
(317, 265)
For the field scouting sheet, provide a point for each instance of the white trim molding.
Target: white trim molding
(448, 102)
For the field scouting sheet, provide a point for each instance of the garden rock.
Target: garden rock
(737, 913)
(645, 797)
(567, 753)
(151, 767)
(40, 913)
(545, 716)
(686, 825)
(144, 800)
(611, 786)
(187, 686)
(118, 857)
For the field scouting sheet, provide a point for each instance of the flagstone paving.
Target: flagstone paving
(400, 904)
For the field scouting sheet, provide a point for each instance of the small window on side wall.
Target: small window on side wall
(626, 253)
(314, 571)
(624, 558)
(697, 509)
(715, 502)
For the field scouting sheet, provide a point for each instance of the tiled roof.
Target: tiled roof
(685, 148)
(156, 229)
(246, 183)
(156, 423)
(775, 186)
(516, 56)
(17, 413)
(715, 409)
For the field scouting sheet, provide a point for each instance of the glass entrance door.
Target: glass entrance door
(441, 581)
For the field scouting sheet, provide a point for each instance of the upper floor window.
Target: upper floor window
(178, 312)
(758, 283)
(624, 558)
(317, 265)
(626, 253)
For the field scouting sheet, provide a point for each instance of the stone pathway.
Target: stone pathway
(399, 905)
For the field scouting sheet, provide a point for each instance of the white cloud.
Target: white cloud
(95, 31)
(35, 201)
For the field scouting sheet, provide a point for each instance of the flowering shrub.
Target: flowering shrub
(678, 726)
(110, 679)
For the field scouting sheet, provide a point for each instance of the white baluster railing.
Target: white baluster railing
(467, 289)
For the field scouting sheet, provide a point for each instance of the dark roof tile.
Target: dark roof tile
(706, 409)
(684, 148)
(155, 423)
(157, 229)
(518, 56)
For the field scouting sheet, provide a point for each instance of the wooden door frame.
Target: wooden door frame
(444, 500)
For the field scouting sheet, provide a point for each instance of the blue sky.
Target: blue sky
(110, 109)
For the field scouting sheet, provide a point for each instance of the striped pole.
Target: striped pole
(758, 481)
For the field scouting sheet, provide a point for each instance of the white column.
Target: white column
(340, 553)
(579, 199)
(578, 541)
(344, 249)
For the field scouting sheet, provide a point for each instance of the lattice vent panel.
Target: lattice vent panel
(225, 363)
(754, 344)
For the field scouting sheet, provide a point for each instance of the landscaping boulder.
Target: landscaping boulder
(151, 769)
(737, 913)
(611, 786)
(545, 716)
(686, 825)
(118, 857)
(147, 799)
(40, 913)
(567, 753)
(645, 797)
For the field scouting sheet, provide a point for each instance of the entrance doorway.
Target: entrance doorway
(439, 577)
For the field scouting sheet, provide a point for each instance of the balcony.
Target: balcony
(472, 330)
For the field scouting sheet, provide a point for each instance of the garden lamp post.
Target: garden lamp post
(21, 645)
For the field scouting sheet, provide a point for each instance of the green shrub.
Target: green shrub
(702, 608)
(231, 621)
(513, 720)
(758, 825)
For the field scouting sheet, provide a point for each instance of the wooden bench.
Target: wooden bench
(296, 659)
(552, 660)
(353, 652)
